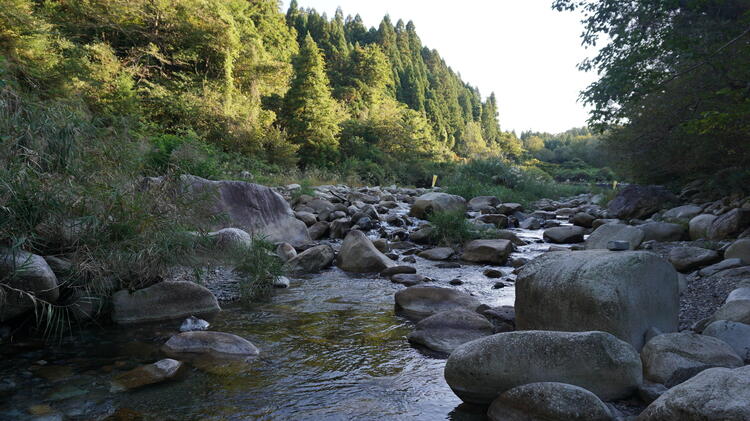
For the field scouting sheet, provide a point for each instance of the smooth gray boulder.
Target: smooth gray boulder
(698, 226)
(308, 218)
(683, 213)
(255, 209)
(482, 202)
(440, 253)
(623, 293)
(480, 370)
(359, 255)
(487, 251)
(217, 344)
(163, 301)
(735, 310)
(444, 331)
(548, 401)
(29, 273)
(686, 259)
(424, 301)
(729, 224)
(312, 260)
(437, 202)
(672, 358)
(740, 249)
(614, 232)
(736, 335)
(716, 394)
(662, 231)
(583, 219)
(319, 230)
(564, 235)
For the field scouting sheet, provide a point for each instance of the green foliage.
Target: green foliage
(260, 267)
(672, 90)
(310, 111)
(508, 182)
(183, 155)
(450, 228)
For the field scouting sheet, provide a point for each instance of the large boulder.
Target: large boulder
(28, 273)
(729, 224)
(480, 370)
(548, 401)
(699, 225)
(163, 301)
(639, 202)
(424, 301)
(359, 255)
(740, 249)
(437, 202)
(736, 335)
(672, 358)
(444, 331)
(716, 394)
(686, 259)
(487, 251)
(483, 202)
(682, 213)
(312, 260)
(623, 293)
(564, 235)
(253, 208)
(217, 344)
(614, 232)
(662, 231)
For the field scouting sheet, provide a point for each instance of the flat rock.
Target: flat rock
(163, 301)
(217, 344)
(686, 259)
(614, 232)
(444, 331)
(146, 375)
(424, 301)
(564, 235)
(440, 253)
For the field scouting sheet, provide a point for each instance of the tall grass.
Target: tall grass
(508, 182)
(259, 267)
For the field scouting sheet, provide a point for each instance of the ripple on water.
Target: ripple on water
(332, 348)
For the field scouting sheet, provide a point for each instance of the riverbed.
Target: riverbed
(332, 348)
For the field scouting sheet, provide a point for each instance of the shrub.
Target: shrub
(260, 267)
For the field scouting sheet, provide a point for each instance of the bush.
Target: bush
(260, 267)
(449, 228)
(508, 182)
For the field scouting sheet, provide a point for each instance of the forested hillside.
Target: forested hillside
(239, 77)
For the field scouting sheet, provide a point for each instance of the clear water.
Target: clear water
(332, 348)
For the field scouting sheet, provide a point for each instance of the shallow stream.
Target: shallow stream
(332, 348)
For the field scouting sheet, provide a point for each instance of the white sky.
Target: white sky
(521, 49)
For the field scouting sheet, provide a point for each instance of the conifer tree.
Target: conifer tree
(311, 114)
